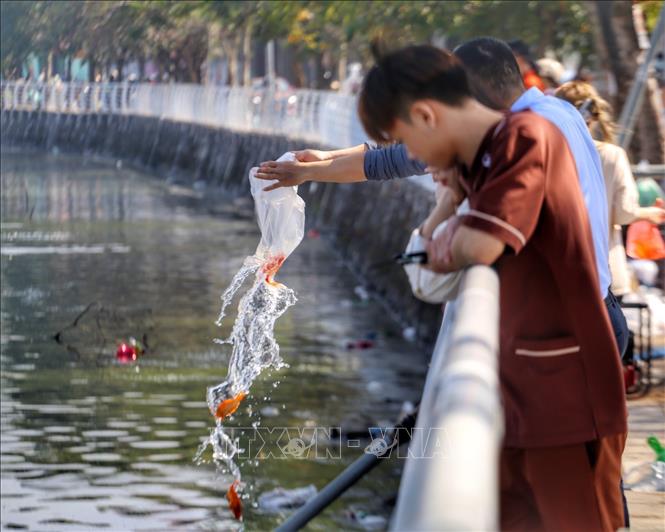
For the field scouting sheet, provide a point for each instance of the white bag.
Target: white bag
(281, 216)
(427, 285)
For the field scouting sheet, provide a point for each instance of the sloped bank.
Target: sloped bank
(370, 222)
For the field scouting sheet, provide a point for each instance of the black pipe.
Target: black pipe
(348, 477)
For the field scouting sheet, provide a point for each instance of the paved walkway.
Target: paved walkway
(646, 417)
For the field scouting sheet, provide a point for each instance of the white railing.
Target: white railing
(322, 117)
(450, 479)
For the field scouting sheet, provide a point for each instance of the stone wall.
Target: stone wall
(369, 222)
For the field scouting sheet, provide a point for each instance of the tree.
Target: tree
(15, 36)
(618, 47)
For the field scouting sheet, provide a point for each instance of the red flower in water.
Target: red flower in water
(125, 353)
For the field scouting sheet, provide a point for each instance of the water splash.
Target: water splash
(254, 349)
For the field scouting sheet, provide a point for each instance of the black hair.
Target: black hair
(493, 72)
(400, 77)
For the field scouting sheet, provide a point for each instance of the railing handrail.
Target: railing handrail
(456, 487)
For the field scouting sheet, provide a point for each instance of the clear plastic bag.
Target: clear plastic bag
(281, 217)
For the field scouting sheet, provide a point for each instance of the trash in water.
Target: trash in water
(125, 353)
(282, 499)
(362, 293)
(235, 504)
(367, 521)
(409, 334)
(360, 344)
(374, 386)
(129, 351)
(270, 411)
(281, 218)
(313, 233)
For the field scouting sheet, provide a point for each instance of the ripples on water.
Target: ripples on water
(87, 442)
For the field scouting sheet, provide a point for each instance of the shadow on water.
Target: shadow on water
(88, 442)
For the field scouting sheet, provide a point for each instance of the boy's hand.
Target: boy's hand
(439, 250)
(449, 178)
(286, 173)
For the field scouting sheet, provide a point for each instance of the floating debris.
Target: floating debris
(283, 499)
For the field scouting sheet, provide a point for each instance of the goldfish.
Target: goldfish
(229, 406)
(235, 505)
(271, 267)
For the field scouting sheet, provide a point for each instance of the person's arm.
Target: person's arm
(309, 155)
(446, 203)
(625, 203)
(625, 200)
(391, 162)
(462, 246)
(349, 165)
(344, 169)
(503, 214)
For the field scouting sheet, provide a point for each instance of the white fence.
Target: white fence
(322, 117)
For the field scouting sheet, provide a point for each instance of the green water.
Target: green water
(88, 442)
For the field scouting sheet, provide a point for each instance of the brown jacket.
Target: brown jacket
(559, 365)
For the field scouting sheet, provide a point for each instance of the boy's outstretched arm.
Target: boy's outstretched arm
(349, 165)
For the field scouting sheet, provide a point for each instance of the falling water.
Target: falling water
(254, 349)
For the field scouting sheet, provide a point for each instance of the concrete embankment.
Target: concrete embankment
(368, 222)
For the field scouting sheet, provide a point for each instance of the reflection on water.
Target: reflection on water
(88, 442)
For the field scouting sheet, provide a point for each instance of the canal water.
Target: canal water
(94, 253)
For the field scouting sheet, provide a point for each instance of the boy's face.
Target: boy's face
(425, 136)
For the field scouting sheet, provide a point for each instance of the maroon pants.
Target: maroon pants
(567, 488)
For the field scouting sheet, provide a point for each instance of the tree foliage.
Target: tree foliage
(180, 36)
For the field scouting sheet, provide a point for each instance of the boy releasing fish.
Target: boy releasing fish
(281, 218)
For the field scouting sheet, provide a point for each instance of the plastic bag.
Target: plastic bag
(427, 285)
(281, 217)
(644, 241)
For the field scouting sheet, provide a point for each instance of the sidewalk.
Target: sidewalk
(646, 416)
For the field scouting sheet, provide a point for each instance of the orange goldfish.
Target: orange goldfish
(235, 505)
(271, 267)
(229, 406)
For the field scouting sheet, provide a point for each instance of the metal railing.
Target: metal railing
(450, 480)
(321, 117)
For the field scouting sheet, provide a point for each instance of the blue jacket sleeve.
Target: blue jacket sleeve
(390, 163)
